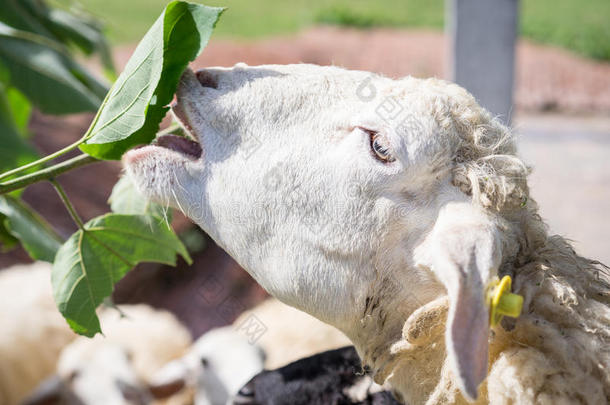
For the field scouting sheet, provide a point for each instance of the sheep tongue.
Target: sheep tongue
(180, 144)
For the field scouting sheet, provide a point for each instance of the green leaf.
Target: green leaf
(7, 241)
(126, 199)
(80, 30)
(14, 115)
(15, 108)
(137, 102)
(69, 28)
(47, 76)
(85, 33)
(14, 151)
(36, 235)
(93, 260)
(21, 109)
(18, 14)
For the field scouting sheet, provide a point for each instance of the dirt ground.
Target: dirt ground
(571, 182)
(547, 78)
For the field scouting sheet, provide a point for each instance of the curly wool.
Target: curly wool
(485, 164)
(558, 350)
(563, 337)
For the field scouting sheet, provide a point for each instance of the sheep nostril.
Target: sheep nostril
(247, 391)
(206, 79)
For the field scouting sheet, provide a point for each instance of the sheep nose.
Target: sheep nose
(245, 394)
(207, 79)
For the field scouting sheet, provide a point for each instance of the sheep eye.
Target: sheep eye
(380, 151)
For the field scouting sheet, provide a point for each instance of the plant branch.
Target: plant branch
(172, 128)
(67, 203)
(43, 160)
(46, 174)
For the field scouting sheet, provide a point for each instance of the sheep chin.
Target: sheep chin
(159, 173)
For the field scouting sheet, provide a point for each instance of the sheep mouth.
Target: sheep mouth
(185, 146)
(188, 145)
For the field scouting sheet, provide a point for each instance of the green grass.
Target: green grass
(581, 26)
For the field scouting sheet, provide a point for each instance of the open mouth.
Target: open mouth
(189, 145)
(185, 146)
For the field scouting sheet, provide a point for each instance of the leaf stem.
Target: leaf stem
(43, 160)
(67, 203)
(168, 130)
(47, 173)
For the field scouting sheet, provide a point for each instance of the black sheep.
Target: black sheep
(330, 378)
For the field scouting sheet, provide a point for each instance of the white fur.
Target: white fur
(218, 364)
(100, 370)
(32, 332)
(287, 334)
(271, 334)
(289, 186)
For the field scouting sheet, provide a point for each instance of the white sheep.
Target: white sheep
(386, 208)
(217, 365)
(287, 334)
(114, 368)
(222, 360)
(32, 332)
(136, 346)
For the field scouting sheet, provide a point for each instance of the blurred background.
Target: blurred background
(542, 65)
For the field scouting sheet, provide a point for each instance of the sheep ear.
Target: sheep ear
(463, 250)
(466, 337)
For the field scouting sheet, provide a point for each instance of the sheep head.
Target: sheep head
(351, 196)
(103, 376)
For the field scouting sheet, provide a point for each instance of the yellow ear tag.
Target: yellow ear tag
(502, 301)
